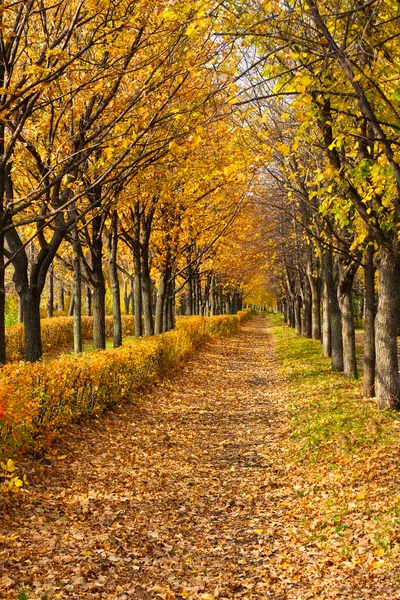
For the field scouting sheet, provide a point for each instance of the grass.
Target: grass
(346, 452)
(329, 416)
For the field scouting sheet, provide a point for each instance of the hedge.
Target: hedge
(37, 399)
(58, 332)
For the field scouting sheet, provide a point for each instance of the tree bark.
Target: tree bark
(386, 325)
(369, 323)
(112, 245)
(99, 316)
(50, 300)
(88, 301)
(31, 306)
(345, 300)
(315, 286)
(297, 313)
(306, 313)
(77, 296)
(61, 299)
(138, 272)
(334, 314)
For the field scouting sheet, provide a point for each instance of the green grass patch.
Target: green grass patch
(330, 419)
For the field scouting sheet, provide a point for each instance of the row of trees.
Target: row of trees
(325, 89)
(118, 146)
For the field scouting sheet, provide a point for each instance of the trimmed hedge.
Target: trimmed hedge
(37, 399)
(58, 332)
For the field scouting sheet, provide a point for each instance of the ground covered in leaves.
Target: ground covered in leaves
(195, 491)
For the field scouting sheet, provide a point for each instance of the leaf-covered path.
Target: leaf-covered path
(185, 494)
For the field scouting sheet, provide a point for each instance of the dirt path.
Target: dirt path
(185, 494)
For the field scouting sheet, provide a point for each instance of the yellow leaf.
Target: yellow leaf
(376, 565)
(10, 465)
(283, 149)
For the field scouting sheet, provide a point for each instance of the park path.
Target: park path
(186, 493)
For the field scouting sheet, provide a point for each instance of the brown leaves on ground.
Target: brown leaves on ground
(190, 492)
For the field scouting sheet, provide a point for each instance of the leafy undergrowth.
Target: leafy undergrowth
(198, 490)
(346, 451)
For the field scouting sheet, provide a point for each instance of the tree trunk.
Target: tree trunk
(160, 302)
(99, 317)
(306, 313)
(297, 313)
(50, 300)
(61, 299)
(138, 273)
(99, 286)
(147, 299)
(127, 296)
(386, 324)
(315, 286)
(345, 301)
(170, 320)
(88, 301)
(20, 311)
(112, 245)
(334, 314)
(189, 306)
(77, 294)
(71, 306)
(369, 324)
(32, 330)
(326, 322)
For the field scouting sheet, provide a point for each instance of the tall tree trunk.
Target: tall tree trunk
(71, 306)
(20, 311)
(189, 306)
(127, 295)
(147, 292)
(77, 296)
(369, 323)
(50, 299)
(297, 313)
(386, 326)
(306, 313)
(147, 284)
(326, 322)
(345, 299)
(138, 272)
(61, 299)
(99, 316)
(315, 286)
(88, 301)
(212, 296)
(99, 286)
(112, 244)
(169, 312)
(32, 330)
(334, 314)
(160, 321)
